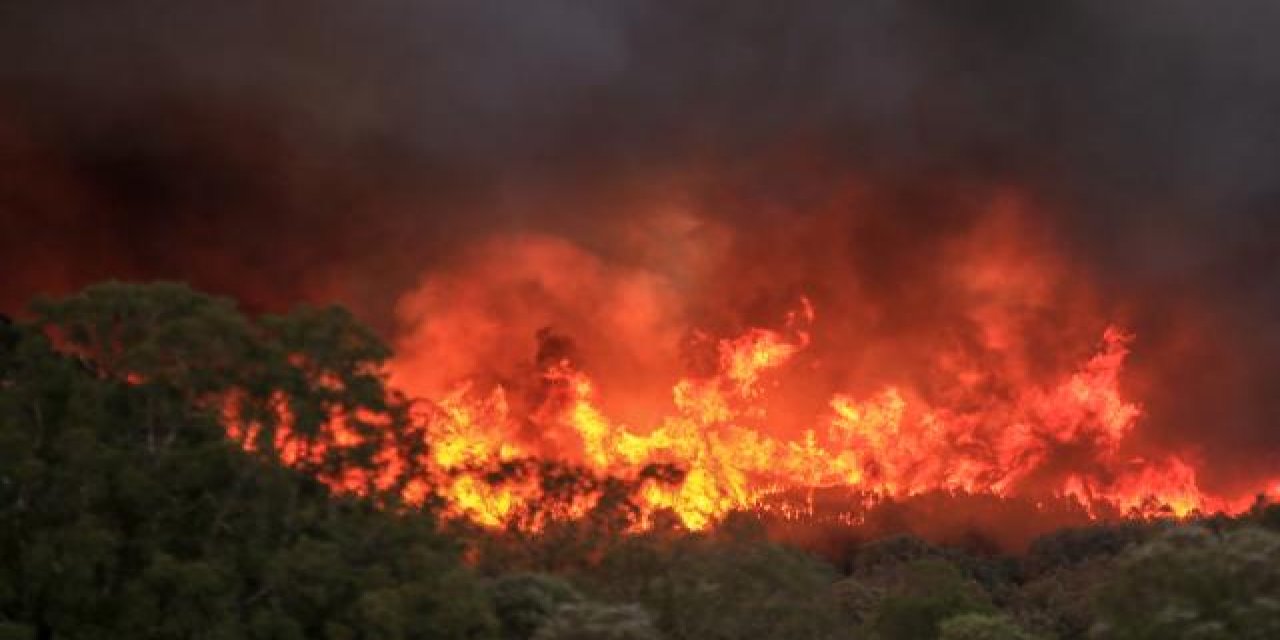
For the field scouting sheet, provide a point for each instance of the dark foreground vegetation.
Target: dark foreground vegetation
(127, 512)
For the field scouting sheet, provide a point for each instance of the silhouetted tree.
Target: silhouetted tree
(126, 512)
(1191, 583)
(524, 601)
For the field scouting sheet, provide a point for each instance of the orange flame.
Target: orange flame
(1001, 410)
(1006, 413)
(887, 444)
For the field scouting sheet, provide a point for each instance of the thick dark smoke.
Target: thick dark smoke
(333, 150)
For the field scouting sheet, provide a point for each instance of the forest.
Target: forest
(135, 504)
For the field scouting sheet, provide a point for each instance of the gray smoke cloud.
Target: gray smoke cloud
(333, 150)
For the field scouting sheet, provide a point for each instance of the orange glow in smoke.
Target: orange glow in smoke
(979, 418)
(886, 443)
(967, 407)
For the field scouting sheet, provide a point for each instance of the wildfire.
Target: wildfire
(997, 405)
(886, 444)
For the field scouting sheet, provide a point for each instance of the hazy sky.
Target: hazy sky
(334, 150)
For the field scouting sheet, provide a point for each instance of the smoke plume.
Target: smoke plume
(695, 164)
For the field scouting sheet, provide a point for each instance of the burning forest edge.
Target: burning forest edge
(938, 472)
(640, 320)
(553, 351)
(172, 464)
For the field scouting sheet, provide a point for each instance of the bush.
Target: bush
(14, 631)
(1190, 583)
(594, 621)
(710, 588)
(923, 594)
(1061, 602)
(127, 512)
(524, 601)
(977, 626)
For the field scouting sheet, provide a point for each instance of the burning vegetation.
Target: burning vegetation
(129, 510)
(1007, 380)
(1012, 383)
(604, 304)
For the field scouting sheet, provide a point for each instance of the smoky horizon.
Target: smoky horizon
(970, 197)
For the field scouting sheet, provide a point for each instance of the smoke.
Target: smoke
(367, 152)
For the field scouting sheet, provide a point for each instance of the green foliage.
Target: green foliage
(17, 631)
(126, 512)
(978, 626)
(1191, 583)
(1064, 570)
(593, 621)
(724, 587)
(891, 552)
(162, 332)
(1060, 601)
(1080, 544)
(903, 587)
(919, 595)
(196, 353)
(858, 600)
(524, 601)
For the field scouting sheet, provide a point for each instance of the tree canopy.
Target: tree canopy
(127, 512)
(171, 468)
